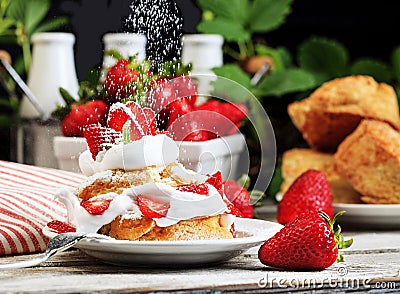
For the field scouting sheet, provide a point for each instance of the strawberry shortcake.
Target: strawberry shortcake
(137, 190)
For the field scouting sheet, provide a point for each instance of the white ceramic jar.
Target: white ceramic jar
(204, 51)
(53, 66)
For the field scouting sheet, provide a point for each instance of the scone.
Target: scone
(335, 109)
(298, 160)
(137, 190)
(369, 159)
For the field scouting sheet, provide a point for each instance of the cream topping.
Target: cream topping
(158, 150)
(183, 205)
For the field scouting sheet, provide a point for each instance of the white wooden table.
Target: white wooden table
(371, 265)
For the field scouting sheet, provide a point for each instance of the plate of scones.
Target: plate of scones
(351, 126)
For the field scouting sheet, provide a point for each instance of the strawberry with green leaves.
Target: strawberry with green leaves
(309, 192)
(75, 115)
(309, 242)
(127, 79)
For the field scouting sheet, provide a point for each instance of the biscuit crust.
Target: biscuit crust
(335, 109)
(369, 159)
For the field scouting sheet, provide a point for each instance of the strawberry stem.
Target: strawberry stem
(126, 132)
(114, 53)
(340, 243)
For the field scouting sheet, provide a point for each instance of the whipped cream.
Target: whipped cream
(158, 150)
(183, 206)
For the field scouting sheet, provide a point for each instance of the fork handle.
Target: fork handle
(26, 263)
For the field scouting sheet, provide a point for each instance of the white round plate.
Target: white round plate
(252, 232)
(382, 216)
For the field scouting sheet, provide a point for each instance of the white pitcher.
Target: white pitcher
(53, 66)
(204, 51)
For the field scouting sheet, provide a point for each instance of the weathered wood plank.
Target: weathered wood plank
(73, 271)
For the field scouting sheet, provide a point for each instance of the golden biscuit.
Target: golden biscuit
(334, 110)
(298, 160)
(369, 159)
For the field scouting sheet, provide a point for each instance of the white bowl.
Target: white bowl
(67, 151)
(207, 157)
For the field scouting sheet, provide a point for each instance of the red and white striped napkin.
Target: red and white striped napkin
(27, 204)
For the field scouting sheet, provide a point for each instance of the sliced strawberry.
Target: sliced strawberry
(152, 208)
(151, 122)
(215, 180)
(143, 120)
(96, 207)
(239, 196)
(232, 230)
(97, 137)
(194, 188)
(232, 209)
(117, 118)
(60, 227)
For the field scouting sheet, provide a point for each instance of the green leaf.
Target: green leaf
(324, 58)
(233, 72)
(229, 29)
(395, 58)
(279, 83)
(16, 9)
(35, 12)
(266, 15)
(52, 24)
(6, 24)
(234, 10)
(371, 67)
(69, 100)
(232, 83)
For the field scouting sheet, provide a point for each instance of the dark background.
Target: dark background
(365, 29)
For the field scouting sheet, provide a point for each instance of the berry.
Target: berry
(80, 115)
(143, 120)
(152, 208)
(232, 209)
(96, 207)
(207, 121)
(120, 81)
(215, 180)
(60, 227)
(239, 197)
(98, 137)
(309, 242)
(310, 191)
(194, 188)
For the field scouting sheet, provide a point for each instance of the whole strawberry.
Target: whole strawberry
(76, 115)
(309, 192)
(240, 197)
(120, 80)
(309, 242)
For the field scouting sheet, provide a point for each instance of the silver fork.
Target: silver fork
(56, 245)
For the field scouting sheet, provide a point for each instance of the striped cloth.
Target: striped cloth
(27, 204)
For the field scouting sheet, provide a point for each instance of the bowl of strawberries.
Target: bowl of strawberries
(207, 131)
